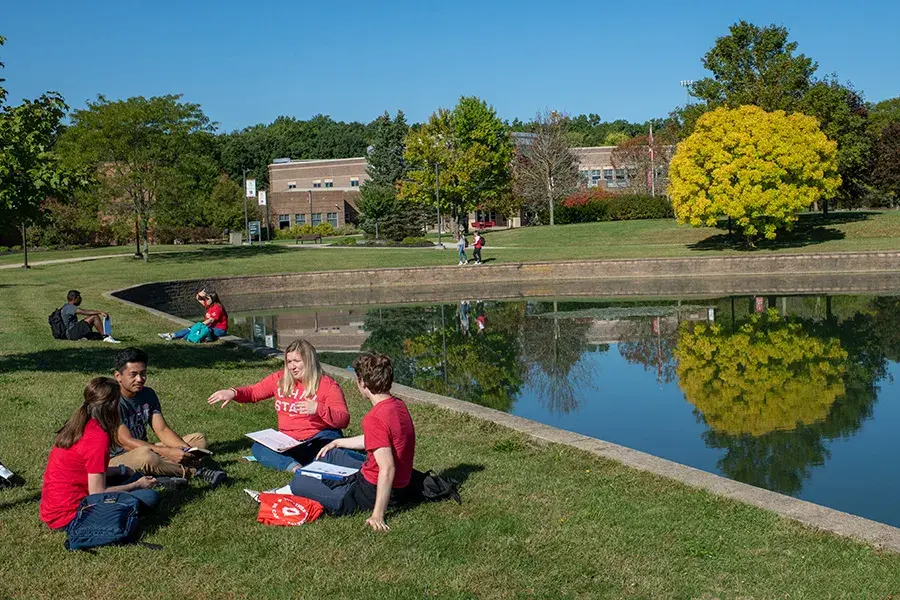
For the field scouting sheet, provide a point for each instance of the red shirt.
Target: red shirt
(331, 413)
(217, 313)
(66, 476)
(388, 425)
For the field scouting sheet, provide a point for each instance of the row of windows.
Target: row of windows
(612, 177)
(284, 221)
(292, 185)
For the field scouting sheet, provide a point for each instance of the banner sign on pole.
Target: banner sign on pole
(262, 197)
(251, 188)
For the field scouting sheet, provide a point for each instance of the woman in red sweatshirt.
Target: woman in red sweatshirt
(310, 406)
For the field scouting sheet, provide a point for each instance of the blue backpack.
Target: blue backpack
(199, 333)
(106, 519)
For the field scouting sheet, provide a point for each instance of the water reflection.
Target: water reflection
(771, 380)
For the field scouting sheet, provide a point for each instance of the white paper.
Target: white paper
(324, 468)
(274, 440)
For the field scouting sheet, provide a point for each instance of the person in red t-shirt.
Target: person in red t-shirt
(389, 440)
(216, 317)
(310, 406)
(78, 466)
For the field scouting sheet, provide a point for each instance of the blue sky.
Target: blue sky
(247, 63)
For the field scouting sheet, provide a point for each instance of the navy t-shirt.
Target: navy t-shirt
(136, 413)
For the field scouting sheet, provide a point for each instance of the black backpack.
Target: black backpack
(57, 327)
(429, 486)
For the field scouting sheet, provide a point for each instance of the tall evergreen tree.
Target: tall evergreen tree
(385, 163)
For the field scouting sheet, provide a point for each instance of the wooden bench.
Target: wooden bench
(311, 237)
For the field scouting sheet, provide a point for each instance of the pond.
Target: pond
(796, 394)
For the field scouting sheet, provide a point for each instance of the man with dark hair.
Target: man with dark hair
(139, 407)
(94, 319)
(389, 442)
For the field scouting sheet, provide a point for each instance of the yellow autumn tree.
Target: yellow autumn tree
(767, 375)
(759, 168)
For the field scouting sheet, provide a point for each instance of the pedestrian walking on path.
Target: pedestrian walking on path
(461, 245)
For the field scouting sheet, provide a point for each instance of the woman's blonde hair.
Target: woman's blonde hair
(312, 370)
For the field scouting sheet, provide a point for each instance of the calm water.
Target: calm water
(794, 394)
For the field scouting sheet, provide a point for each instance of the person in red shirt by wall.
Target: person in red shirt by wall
(78, 466)
(216, 317)
(310, 406)
(389, 442)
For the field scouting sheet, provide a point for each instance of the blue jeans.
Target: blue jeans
(303, 454)
(314, 489)
(182, 333)
(149, 498)
(462, 255)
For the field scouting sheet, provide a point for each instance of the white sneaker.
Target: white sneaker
(111, 340)
(166, 336)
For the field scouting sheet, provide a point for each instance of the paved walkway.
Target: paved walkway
(59, 261)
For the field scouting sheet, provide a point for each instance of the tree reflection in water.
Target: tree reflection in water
(817, 380)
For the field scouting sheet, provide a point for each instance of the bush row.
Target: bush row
(7, 250)
(587, 208)
(167, 234)
(323, 229)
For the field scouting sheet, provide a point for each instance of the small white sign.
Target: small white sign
(270, 341)
(251, 188)
(262, 197)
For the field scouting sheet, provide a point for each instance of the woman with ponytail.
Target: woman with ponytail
(310, 406)
(79, 461)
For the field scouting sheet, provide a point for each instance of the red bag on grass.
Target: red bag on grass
(286, 509)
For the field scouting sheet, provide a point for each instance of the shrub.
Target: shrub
(3, 249)
(346, 229)
(16, 249)
(624, 208)
(590, 206)
(324, 229)
(415, 242)
(345, 241)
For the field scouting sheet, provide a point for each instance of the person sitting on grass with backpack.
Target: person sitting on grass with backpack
(213, 326)
(310, 406)
(139, 408)
(94, 319)
(389, 442)
(78, 470)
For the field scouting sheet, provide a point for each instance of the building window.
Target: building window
(317, 184)
(592, 177)
(284, 221)
(329, 183)
(354, 182)
(292, 185)
(316, 219)
(299, 219)
(333, 219)
(608, 175)
(621, 177)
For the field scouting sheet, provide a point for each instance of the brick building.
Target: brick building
(314, 191)
(325, 191)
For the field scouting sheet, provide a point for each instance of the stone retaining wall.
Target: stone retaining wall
(842, 273)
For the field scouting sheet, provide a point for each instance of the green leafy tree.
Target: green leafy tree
(758, 168)
(842, 116)
(225, 204)
(882, 114)
(135, 147)
(30, 172)
(886, 171)
(755, 65)
(472, 149)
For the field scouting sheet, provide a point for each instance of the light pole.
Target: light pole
(686, 84)
(246, 219)
(437, 197)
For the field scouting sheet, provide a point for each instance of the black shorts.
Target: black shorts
(79, 330)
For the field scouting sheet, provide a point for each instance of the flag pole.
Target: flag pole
(652, 169)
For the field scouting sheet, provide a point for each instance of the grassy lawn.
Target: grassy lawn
(538, 521)
(840, 232)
